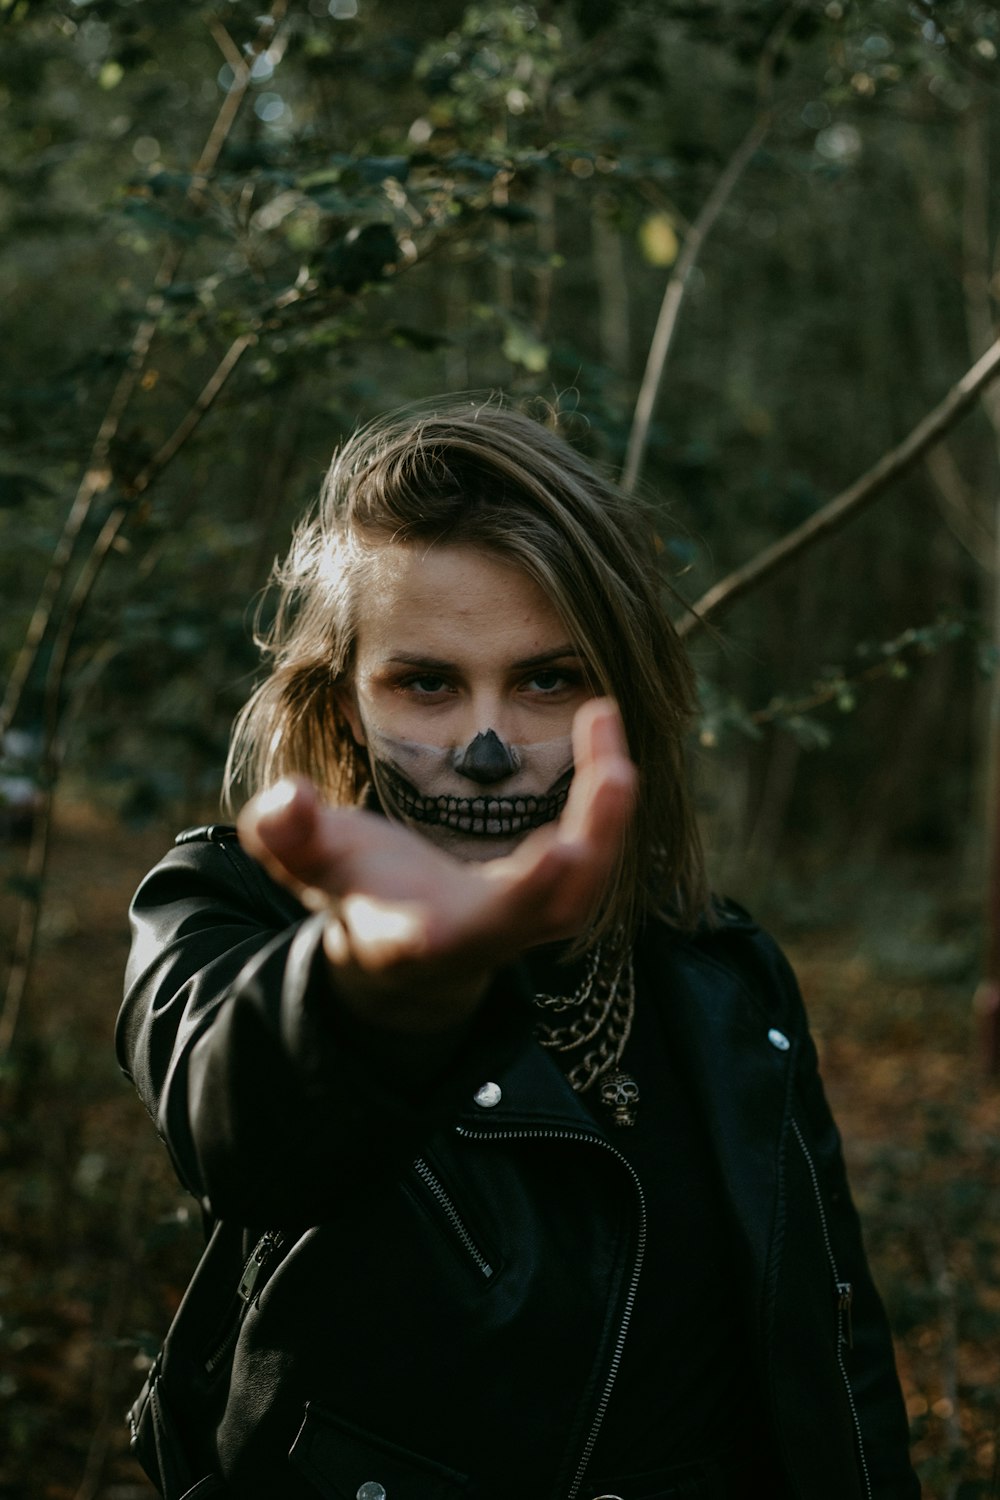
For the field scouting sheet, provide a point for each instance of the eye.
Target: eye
(552, 680)
(424, 684)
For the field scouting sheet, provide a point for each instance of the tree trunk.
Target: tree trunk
(612, 289)
(977, 246)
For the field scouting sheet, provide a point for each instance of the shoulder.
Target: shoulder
(207, 865)
(729, 955)
(207, 833)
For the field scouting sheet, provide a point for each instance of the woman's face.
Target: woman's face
(464, 689)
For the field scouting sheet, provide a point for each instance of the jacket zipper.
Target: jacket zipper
(256, 1265)
(640, 1250)
(441, 1197)
(845, 1298)
(248, 1289)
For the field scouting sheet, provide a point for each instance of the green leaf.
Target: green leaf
(181, 291)
(473, 166)
(810, 734)
(513, 213)
(987, 658)
(16, 487)
(522, 347)
(150, 216)
(364, 255)
(418, 338)
(658, 239)
(163, 182)
(378, 168)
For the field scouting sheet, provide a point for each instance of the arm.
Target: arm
(269, 1094)
(285, 1056)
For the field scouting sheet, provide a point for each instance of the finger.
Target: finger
(549, 891)
(556, 877)
(282, 828)
(600, 802)
(598, 730)
(562, 891)
(326, 855)
(602, 792)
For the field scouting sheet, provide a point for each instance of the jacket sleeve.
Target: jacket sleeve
(272, 1100)
(865, 1343)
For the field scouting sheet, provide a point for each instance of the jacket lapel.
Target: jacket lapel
(533, 1095)
(738, 1075)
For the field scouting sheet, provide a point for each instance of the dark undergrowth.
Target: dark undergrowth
(97, 1241)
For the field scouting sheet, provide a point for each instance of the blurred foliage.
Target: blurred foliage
(463, 197)
(448, 197)
(97, 1241)
(839, 686)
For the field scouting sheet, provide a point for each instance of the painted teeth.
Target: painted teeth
(480, 817)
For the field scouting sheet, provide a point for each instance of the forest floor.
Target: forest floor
(97, 1241)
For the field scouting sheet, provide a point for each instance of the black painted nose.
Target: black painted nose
(486, 759)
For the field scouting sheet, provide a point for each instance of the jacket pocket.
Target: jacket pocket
(452, 1221)
(345, 1462)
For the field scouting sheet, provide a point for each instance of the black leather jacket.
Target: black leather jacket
(438, 1288)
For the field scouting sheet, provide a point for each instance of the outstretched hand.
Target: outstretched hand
(414, 935)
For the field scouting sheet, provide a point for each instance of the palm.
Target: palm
(402, 910)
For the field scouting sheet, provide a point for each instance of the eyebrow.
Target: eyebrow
(438, 663)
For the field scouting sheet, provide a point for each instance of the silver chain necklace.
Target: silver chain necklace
(601, 1011)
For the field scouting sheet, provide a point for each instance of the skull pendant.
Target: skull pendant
(620, 1092)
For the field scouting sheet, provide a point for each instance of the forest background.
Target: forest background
(745, 249)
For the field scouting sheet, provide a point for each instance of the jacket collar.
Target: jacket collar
(529, 1094)
(717, 1017)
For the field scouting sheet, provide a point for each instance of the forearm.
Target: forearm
(271, 1094)
(292, 1104)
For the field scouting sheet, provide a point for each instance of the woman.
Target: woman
(517, 1164)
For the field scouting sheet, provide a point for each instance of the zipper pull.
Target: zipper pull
(845, 1299)
(263, 1251)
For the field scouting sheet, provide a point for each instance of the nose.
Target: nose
(486, 759)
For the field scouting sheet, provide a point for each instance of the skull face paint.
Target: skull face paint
(421, 785)
(463, 693)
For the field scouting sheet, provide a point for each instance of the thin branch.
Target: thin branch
(96, 478)
(225, 119)
(98, 474)
(673, 297)
(981, 326)
(36, 865)
(895, 663)
(194, 415)
(852, 501)
(694, 240)
(226, 45)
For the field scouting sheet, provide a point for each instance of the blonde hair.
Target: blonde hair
(480, 473)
